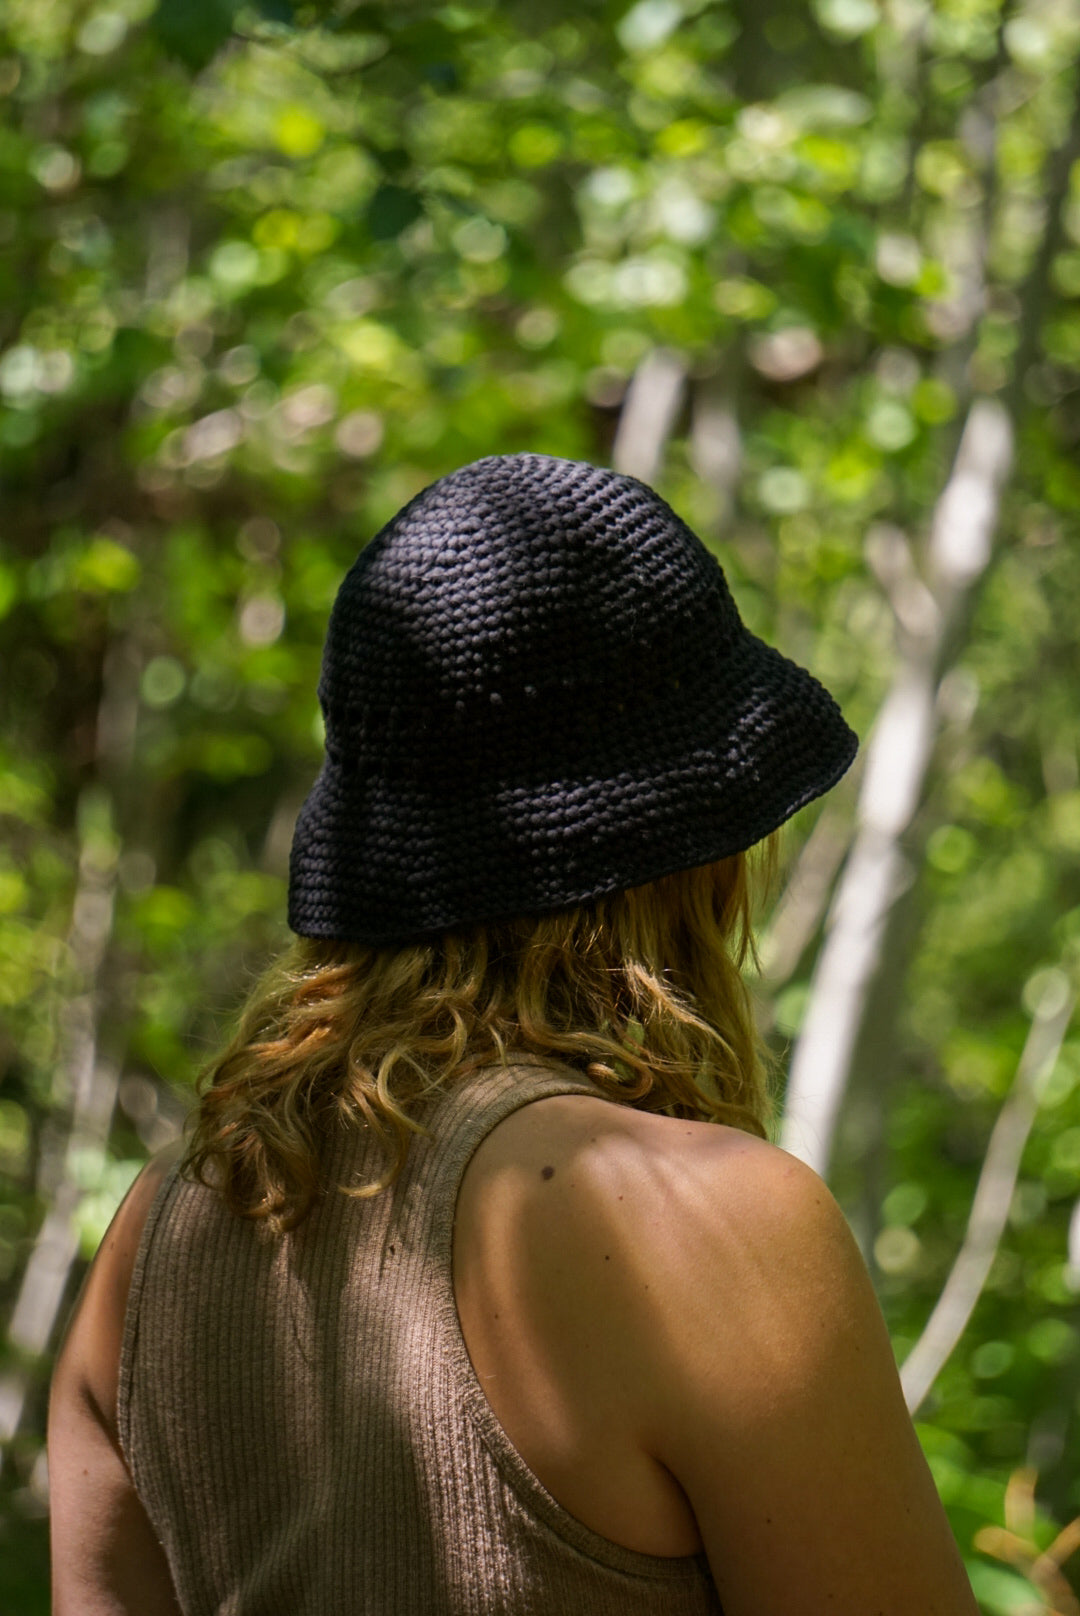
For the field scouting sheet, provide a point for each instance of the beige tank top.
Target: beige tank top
(303, 1423)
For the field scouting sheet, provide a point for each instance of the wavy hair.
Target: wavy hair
(642, 991)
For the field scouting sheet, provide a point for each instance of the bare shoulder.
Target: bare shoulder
(116, 1255)
(683, 1186)
(755, 1218)
(748, 1247)
(120, 1245)
(680, 1218)
(89, 1360)
(105, 1553)
(718, 1276)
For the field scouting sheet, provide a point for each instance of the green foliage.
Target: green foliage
(266, 273)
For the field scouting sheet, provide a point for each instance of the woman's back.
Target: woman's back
(670, 1334)
(548, 1253)
(306, 1431)
(678, 1333)
(551, 745)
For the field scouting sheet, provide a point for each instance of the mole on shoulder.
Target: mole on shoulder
(547, 1172)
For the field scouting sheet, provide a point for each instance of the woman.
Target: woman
(481, 1290)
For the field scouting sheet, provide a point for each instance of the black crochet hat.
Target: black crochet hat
(537, 689)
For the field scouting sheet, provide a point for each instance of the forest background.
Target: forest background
(265, 272)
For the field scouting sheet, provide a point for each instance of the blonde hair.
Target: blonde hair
(641, 990)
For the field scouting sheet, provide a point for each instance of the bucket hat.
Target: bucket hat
(537, 689)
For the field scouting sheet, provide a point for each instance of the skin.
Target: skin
(705, 1363)
(675, 1328)
(106, 1560)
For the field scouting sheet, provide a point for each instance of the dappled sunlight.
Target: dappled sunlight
(812, 270)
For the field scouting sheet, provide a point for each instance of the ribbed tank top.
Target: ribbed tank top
(304, 1425)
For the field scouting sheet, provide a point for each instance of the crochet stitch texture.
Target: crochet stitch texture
(538, 689)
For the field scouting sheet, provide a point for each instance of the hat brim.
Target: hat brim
(713, 773)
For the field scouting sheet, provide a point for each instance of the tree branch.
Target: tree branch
(716, 450)
(879, 869)
(800, 907)
(89, 1073)
(649, 412)
(993, 1194)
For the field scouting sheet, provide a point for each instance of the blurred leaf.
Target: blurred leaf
(194, 30)
(1004, 1593)
(391, 210)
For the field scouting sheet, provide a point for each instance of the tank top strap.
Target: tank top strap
(458, 1120)
(423, 1225)
(304, 1425)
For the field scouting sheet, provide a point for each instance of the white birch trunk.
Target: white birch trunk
(898, 753)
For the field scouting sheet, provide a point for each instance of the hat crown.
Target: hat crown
(537, 690)
(520, 573)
